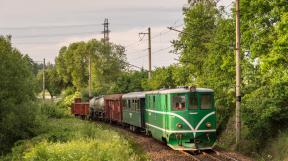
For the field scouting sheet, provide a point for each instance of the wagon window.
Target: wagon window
(193, 102)
(133, 104)
(166, 101)
(206, 101)
(137, 104)
(124, 104)
(154, 102)
(129, 104)
(150, 102)
(178, 102)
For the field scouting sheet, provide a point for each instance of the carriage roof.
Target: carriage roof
(134, 95)
(180, 90)
(113, 97)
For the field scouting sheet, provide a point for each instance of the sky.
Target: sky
(40, 28)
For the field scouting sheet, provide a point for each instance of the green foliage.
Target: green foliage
(71, 139)
(161, 78)
(67, 99)
(19, 116)
(51, 110)
(268, 113)
(130, 81)
(278, 149)
(265, 83)
(107, 62)
(53, 82)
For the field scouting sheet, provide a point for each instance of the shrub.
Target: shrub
(50, 110)
(72, 139)
(19, 116)
(84, 149)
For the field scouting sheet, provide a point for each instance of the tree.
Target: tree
(107, 61)
(129, 81)
(18, 114)
(206, 55)
(264, 30)
(53, 82)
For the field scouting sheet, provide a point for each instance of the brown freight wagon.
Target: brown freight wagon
(113, 107)
(79, 108)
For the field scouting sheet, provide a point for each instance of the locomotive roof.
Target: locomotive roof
(180, 90)
(134, 95)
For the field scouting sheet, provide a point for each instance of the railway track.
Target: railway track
(210, 155)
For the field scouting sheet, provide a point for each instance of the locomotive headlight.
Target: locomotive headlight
(208, 124)
(179, 125)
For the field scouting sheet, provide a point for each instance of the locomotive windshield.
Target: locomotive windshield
(193, 102)
(178, 102)
(206, 101)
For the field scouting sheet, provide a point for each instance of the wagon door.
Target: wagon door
(166, 121)
(142, 111)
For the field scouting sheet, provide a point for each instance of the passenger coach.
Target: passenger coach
(133, 110)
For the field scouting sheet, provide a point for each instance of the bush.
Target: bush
(19, 116)
(84, 149)
(72, 139)
(67, 100)
(264, 112)
(51, 110)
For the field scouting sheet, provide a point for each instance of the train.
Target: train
(183, 117)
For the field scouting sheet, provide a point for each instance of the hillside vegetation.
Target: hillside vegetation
(69, 139)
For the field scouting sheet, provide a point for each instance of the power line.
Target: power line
(47, 27)
(161, 33)
(159, 50)
(203, 39)
(54, 35)
(138, 51)
(133, 65)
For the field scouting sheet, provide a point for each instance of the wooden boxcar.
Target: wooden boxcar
(113, 107)
(133, 110)
(79, 108)
(183, 117)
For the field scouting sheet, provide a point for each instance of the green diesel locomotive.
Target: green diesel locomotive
(183, 117)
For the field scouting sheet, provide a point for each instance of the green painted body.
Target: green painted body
(133, 113)
(162, 121)
(132, 117)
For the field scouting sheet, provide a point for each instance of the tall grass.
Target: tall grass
(70, 139)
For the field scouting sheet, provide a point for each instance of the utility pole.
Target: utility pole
(149, 51)
(106, 30)
(90, 80)
(238, 76)
(43, 94)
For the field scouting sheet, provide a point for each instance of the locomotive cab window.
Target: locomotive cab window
(178, 102)
(193, 102)
(206, 101)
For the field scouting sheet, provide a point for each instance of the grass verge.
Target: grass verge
(70, 139)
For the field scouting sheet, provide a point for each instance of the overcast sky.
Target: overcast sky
(40, 28)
